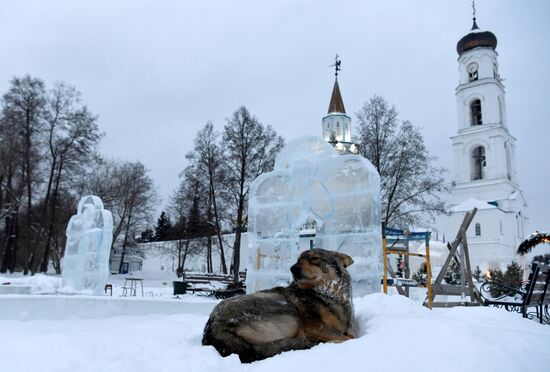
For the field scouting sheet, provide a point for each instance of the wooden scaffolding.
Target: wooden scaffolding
(396, 242)
(458, 251)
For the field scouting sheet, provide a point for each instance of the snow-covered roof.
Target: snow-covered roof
(470, 204)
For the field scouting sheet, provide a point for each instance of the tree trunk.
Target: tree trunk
(45, 258)
(28, 179)
(218, 229)
(209, 268)
(209, 265)
(180, 246)
(237, 243)
(124, 243)
(43, 215)
(184, 257)
(10, 254)
(56, 259)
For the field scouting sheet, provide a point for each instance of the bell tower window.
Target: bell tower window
(478, 163)
(473, 71)
(475, 112)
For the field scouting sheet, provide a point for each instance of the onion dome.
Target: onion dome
(476, 39)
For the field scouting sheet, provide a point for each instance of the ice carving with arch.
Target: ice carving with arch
(312, 182)
(89, 237)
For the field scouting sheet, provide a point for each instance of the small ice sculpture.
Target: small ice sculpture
(312, 185)
(89, 238)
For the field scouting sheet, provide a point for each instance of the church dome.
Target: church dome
(475, 39)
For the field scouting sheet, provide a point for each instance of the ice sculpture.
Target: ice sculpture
(339, 195)
(89, 238)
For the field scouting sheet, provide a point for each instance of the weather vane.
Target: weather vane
(336, 65)
(474, 8)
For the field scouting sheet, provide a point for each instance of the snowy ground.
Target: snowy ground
(396, 334)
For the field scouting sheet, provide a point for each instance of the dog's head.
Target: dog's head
(321, 270)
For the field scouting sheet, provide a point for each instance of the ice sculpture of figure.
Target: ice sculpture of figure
(89, 238)
(313, 184)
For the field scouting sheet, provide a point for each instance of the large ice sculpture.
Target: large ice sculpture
(339, 195)
(89, 238)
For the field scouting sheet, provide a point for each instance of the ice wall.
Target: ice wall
(89, 237)
(311, 182)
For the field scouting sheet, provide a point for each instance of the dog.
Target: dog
(316, 307)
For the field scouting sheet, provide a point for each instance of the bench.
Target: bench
(535, 293)
(206, 283)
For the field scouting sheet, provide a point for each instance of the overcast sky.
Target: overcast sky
(156, 71)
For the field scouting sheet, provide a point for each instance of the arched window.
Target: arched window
(478, 229)
(472, 71)
(475, 112)
(478, 163)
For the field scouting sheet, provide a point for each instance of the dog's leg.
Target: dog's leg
(268, 330)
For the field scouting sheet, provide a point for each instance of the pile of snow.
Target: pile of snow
(395, 334)
(39, 283)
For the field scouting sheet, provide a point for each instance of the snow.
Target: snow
(470, 204)
(395, 334)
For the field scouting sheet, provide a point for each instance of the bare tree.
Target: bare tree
(249, 150)
(23, 113)
(11, 194)
(410, 184)
(129, 193)
(206, 167)
(187, 204)
(137, 197)
(72, 137)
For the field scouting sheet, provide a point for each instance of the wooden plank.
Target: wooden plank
(405, 253)
(536, 298)
(468, 217)
(539, 286)
(450, 247)
(407, 273)
(392, 274)
(448, 289)
(460, 238)
(453, 304)
(474, 294)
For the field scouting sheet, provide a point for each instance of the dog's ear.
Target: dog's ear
(345, 259)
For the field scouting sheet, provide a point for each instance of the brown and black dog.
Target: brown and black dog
(316, 307)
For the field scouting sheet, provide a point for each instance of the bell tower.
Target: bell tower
(483, 148)
(484, 169)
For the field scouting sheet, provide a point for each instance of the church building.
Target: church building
(484, 171)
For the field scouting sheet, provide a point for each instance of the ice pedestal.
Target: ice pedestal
(89, 236)
(312, 185)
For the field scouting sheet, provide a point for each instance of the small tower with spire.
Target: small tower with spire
(336, 124)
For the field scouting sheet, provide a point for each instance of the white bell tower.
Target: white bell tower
(484, 169)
